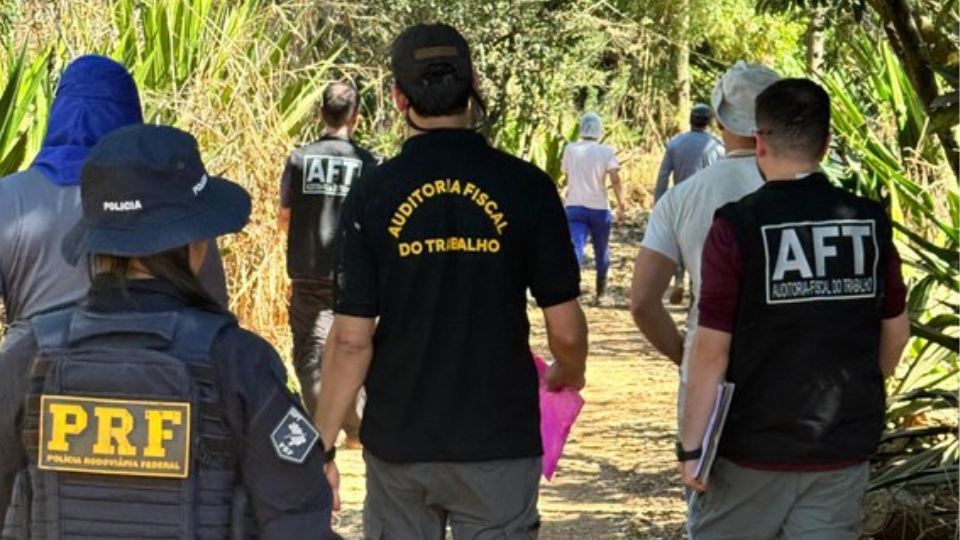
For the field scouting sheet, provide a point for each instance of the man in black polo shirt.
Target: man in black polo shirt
(315, 182)
(442, 243)
(802, 306)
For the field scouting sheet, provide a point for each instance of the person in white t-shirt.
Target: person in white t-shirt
(587, 165)
(681, 219)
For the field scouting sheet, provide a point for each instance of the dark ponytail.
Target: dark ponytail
(109, 277)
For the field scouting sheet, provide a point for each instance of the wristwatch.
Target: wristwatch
(329, 454)
(688, 455)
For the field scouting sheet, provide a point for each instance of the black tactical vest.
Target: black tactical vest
(805, 345)
(124, 430)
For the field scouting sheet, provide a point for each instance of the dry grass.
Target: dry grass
(236, 101)
(237, 114)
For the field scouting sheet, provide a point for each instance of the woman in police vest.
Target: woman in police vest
(147, 412)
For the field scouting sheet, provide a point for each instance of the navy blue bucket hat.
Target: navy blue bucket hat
(144, 190)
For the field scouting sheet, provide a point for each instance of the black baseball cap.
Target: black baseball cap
(426, 55)
(144, 190)
(701, 112)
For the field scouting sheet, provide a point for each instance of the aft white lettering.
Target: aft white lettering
(790, 257)
(826, 260)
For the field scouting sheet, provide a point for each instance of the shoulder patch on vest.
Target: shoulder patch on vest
(294, 437)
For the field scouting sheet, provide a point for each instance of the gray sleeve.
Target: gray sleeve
(3, 309)
(663, 177)
(3, 295)
(14, 380)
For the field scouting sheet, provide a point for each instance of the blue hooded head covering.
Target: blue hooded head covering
(96, 95)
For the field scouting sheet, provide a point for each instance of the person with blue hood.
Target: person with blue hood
(96, 95)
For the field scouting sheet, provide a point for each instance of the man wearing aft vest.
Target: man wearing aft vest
(802, 308)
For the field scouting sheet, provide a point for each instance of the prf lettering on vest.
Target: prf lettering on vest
(814, 261)
(329, 175)
(120, 437)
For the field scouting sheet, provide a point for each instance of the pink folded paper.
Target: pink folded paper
(558, 411)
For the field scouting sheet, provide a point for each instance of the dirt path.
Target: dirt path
(617, 479)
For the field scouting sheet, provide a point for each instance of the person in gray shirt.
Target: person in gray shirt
(685, 155)
(95, 96)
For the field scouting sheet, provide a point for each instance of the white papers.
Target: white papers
(711, 439)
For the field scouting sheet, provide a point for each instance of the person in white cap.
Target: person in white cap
(587, 164)
(680, 221)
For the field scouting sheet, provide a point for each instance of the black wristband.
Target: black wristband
(688, 455)
(329, 454)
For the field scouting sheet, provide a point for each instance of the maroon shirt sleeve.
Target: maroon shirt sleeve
(895, 291)
(720, 270)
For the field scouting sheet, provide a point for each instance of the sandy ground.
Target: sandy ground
(617, 478)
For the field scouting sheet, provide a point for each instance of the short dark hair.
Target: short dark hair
(339, 103)
(432, 68)
(700, 116)
(793, 117)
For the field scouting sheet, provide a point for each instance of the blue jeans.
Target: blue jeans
(597, 223)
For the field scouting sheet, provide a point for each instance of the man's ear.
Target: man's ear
(826, 147)
(399, 99)
(762, 150)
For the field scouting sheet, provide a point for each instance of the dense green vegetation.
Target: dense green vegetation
(244, 77)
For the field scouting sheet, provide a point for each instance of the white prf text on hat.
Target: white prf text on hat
(735, 94)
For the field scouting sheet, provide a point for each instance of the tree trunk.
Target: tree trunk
(681, 64)
(816, 40)
(900, 25)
